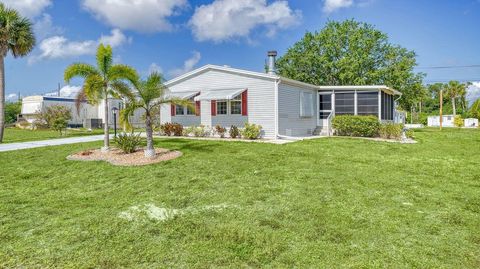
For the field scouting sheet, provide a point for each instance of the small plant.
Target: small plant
(201, 131)
(128, 143)
(170, 129)
(251, 131)
(60, 125)
(391, 131)
(458, 121)
(234, 132)
(220, 131)
(410, 134)
(56, 113)
(188, 131)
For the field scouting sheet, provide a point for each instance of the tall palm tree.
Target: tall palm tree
(150, 95)
(102, 82)
(455, 90)
(16, 37)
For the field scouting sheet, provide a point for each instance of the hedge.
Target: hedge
(349, 125)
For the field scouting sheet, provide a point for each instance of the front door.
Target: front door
(324, 108)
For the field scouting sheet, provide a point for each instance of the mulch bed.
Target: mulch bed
(117, 157)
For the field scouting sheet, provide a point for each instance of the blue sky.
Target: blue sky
(175, 36)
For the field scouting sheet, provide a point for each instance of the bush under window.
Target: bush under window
(251, 131)
(363, 126)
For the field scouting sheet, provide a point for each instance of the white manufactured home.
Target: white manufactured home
(32, 105)
(283, 107)
(447, 121)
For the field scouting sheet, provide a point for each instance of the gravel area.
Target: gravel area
(117, 157)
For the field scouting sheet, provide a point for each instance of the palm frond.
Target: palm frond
(119, 89)
(123, 72)
(127, 112)
(93, 88)
(104, 58)
(173, 101)
(22, 38)
(80, 70)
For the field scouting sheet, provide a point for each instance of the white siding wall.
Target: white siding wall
(261, 97)
(187, 120)
(229, 120)
(289, 121)
(206, 113)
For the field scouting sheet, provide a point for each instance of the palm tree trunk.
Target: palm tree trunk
(150, 151)
(106, 138)
(453, 107)
(2, 97)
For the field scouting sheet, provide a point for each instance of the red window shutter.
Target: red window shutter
(197, 108)
(172, 109)
(214, 108)
(245, 103)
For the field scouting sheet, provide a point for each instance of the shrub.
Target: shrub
(410, 134)
(234, 132)
(364, 126)
(251, 131)
(188, 131)
(458, 121)
(47, 117)
(220, 131)
(391, 131)
(59, 124)
(170, 129)
(128, 143)
(201, 131)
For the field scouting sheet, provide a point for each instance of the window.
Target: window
(191, 110)
(236, 105)
(325, 101)
(306, 104)
(367, 103)
(387, 106)
(179, 110)
(345, 103)
(221, 107)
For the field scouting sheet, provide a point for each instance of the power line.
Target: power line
(449, 66)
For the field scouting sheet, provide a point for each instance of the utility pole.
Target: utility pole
(441, 109)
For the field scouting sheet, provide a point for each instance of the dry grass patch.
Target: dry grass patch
(119, 158)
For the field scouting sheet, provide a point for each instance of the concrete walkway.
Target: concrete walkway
(51, 142)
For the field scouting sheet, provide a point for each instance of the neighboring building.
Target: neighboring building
(434, 121)
(471, 123)
(32, 105)
(283, 107)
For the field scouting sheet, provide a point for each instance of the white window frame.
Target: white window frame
(226, 108)
(237, 99)
(306, 112)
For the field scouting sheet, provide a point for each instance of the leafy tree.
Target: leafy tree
(12, 109)
(353, 53)
(102, 82)
(150, 96)
(16, 37)
(455, 90)
(475, 109)
(53, 115)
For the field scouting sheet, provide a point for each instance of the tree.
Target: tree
(16, 37)
(475, 109)
(12, 109)
(102, 82)
(150, 96)
(353, 53)
(455, 90)
(52, 116)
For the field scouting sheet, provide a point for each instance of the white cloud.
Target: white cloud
(28, 8)
(60, 47)
(188, 65)
(154, 67)
(473, 92)
(116, 39)
(66, 91)
(11, 97)
(333, 5)
(137, 15)
(227, 19)
(44, 27)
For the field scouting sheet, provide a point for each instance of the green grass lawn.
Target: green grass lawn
(324, 203)
(13, 135)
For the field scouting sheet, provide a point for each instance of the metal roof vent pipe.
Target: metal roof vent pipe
(272, 70)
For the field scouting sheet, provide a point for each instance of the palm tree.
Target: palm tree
(16, 37)
(150, 96)
(102, 82)
(455, 89)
